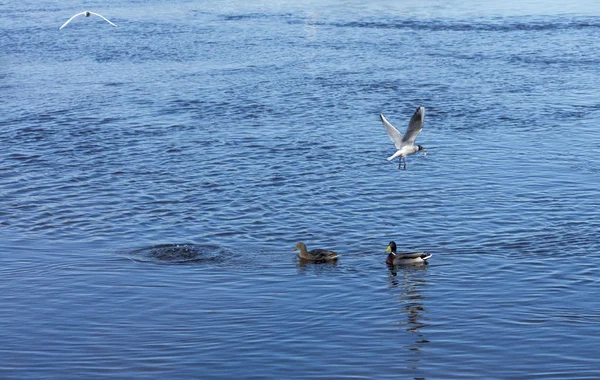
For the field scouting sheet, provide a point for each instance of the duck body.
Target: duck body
(317, 255)
(413, 258)
(405, 258)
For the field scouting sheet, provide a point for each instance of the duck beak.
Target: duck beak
(388, 249)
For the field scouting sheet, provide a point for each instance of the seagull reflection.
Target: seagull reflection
(411, 280)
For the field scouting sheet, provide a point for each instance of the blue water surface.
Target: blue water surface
(155, 177)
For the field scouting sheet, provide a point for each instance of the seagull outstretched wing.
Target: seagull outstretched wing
(69, 20)
(104, 18)
(414, 126)
(394, 134)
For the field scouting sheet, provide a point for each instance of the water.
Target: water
(239, 130)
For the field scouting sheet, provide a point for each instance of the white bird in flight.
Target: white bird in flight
(406, 144)
(87, 14)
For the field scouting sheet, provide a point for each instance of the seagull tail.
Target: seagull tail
(395, 155)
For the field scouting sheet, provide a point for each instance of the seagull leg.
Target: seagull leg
(400, 162)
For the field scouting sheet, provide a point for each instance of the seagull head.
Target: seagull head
(87, 14)
(419, 147)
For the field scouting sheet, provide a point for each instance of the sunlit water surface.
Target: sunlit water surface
(237, 130)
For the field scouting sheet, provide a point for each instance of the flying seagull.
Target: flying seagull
(406, 144)
(87, 14)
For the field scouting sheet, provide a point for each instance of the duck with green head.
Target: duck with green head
(409, 258)
(315, 254)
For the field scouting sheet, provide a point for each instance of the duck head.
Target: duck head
(300, 247)
(391, 247)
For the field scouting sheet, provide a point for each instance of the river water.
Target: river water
(155, 177)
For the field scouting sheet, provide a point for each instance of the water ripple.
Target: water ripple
(243, 130)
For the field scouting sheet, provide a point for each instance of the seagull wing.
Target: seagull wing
(105, 19)
(394, 134)
(414, 126)
(69, 20)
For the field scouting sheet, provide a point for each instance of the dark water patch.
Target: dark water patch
(26, 158)
(497, 24)
(117, 84)
(438, 25)
(258, 16)
(180, 254)
(249, 16)
(542, 61)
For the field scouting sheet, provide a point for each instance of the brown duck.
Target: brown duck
(315, 254)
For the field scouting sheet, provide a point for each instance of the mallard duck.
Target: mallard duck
(407, 258)
(405, 145)
(315, 254)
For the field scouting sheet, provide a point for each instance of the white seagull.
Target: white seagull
(406, 144)
(87, 14)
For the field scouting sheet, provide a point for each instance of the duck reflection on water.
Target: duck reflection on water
(304, 266)
(411, 280)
